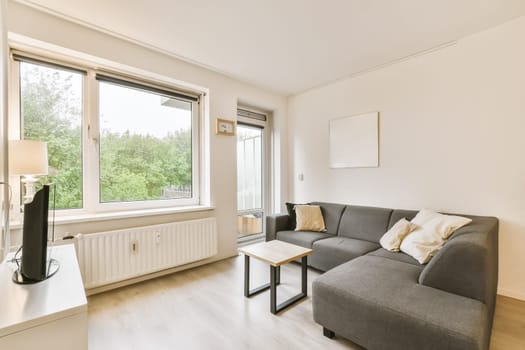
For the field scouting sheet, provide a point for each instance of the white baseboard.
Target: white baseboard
(511, 293)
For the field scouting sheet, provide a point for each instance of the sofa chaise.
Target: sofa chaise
(384, 300)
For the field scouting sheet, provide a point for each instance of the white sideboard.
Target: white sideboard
(49, 315)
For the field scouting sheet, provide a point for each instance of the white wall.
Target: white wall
(224, 96)
(452, 126)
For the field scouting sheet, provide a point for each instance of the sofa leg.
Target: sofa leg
(328, 333)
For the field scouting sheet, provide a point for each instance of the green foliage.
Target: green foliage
(138, 167)
(132, 167)
(52, 113)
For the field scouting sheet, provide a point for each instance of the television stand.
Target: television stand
(52, 268)
(51, 315)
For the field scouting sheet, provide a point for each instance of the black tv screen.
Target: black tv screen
(34, 236)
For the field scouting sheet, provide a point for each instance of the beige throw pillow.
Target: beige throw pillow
(309, 218)
(433, 229)
(391, 240)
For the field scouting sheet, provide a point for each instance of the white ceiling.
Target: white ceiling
(289, 46)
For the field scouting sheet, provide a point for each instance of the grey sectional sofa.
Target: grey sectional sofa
(384, 300)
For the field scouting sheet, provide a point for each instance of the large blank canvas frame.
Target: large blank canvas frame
(354, 141)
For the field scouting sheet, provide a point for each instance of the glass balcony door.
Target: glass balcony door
(250, 179)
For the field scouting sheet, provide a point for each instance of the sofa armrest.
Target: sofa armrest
(276, 223)
(466, 265)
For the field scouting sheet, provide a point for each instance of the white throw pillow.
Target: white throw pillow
(391, 240)
(433, 229)
(445, 224)
(309, 218)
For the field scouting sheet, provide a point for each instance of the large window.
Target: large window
(114, 142)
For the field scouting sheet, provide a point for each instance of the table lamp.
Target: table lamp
(29, 159)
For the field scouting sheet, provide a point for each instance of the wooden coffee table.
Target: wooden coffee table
(275, 253)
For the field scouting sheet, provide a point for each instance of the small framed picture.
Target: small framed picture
(225, 127)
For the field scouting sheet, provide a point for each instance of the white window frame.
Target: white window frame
(91, 133)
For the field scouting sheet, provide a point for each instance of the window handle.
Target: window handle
(90, 136)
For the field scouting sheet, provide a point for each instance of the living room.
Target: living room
(445, 79)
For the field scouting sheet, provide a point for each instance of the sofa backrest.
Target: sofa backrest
(398, 214)
(331, 214)
(467, 264)
(366, 223)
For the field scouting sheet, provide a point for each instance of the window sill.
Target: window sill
(90, 217)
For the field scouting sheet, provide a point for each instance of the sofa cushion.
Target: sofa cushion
(398, 214)
(391, 240)
(309, 218)
(380, 305)
(398, 256)
(367, 223)
(331, 214)
(433, 229)
(334, 251)
(290, 208)
(302, 238)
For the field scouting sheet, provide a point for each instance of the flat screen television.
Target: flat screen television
(34, 263)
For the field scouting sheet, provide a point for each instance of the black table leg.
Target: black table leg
(247, 292)
(273, 289)
(304, 275)
(246, 275)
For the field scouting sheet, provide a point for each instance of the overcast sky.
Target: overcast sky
(123, 109)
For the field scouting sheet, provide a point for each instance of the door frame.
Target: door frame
(265, 167)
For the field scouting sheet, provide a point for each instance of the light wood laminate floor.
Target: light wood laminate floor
(204, 308)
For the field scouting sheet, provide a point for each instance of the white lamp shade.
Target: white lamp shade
(27, 157)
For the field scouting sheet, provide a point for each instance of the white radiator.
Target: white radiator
(108, 257)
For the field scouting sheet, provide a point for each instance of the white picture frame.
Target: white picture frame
(354, 141)
(225, 127)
